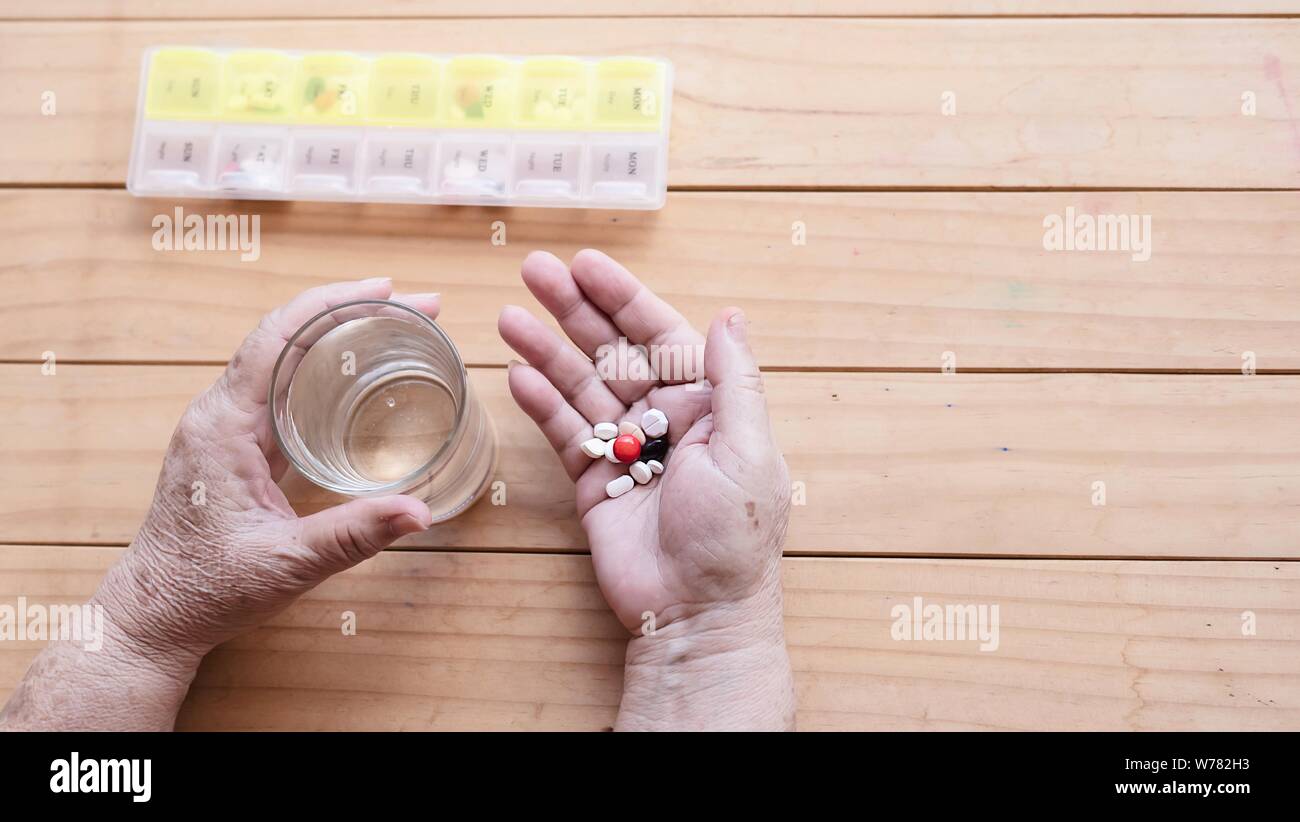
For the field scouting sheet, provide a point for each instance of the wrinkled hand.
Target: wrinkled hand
(695, 554)
(220, 549)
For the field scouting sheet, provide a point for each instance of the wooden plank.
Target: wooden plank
(237, 9)
(1002, 464)
(1124, 102)
(464, 641)
(885, 280)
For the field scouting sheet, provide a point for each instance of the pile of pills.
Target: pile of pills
(643, 448)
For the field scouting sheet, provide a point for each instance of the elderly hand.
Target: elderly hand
(690, 561)
(219, 551)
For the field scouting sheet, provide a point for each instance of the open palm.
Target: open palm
(706, 532)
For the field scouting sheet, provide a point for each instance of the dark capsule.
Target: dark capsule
(656, 449)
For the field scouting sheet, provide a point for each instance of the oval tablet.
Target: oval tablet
(619, 486)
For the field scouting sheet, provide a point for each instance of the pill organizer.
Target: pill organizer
(411, 128)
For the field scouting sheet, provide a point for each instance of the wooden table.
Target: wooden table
(921, 145)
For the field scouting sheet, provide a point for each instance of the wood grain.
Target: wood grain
(884, 280)
(784, 102)
(518, 642)
(990, 464)
(252, 9)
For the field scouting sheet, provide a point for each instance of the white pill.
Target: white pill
(606, 430)
(655, 466)
(632, 428)
(640, 472)
(655, 423)
(594, 448)
(609, 452)
(619, 486)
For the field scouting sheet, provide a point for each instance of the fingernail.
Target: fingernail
(737, 326)
(377, 281)
(404, 524)
(511, 363)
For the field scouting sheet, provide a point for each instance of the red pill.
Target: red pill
(626, 448)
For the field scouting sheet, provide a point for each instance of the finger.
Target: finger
(247, 380)
(572, 374)
(344, 535)
(564, 428)
(624, 368)
(428, 304)
(739, 406)
(549, 280)
(640, 315)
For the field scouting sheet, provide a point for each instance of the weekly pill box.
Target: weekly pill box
(413, 128)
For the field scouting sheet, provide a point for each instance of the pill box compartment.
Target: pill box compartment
(631, 93)
(625, 170)
(324, 161)
(331, 89)
(404, 90)
(478, 92)
(553, 93)
(251, 160)
(174, 157)
(257, 86)
(399, 163)
(182, 84)
(474, 167)
(548, 169)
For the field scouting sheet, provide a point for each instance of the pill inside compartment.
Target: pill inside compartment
(324, 161)
(548, 169)
(251, 160)
(624, 172)
(478, 92)
(553, 93)
(475, 167)
(331, 88)
(256, 87)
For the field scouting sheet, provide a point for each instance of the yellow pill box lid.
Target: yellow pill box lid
(478, 92)
(257, 86)
(554, 92)
(331, 89)
(549, 93)
(630, 94)
(183, 84)
(404, 90)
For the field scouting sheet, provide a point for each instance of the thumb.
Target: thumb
(346, 534)
(739, 404)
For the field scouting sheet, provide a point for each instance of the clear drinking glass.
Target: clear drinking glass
(371, 398)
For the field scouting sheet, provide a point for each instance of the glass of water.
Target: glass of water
(371, 398)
